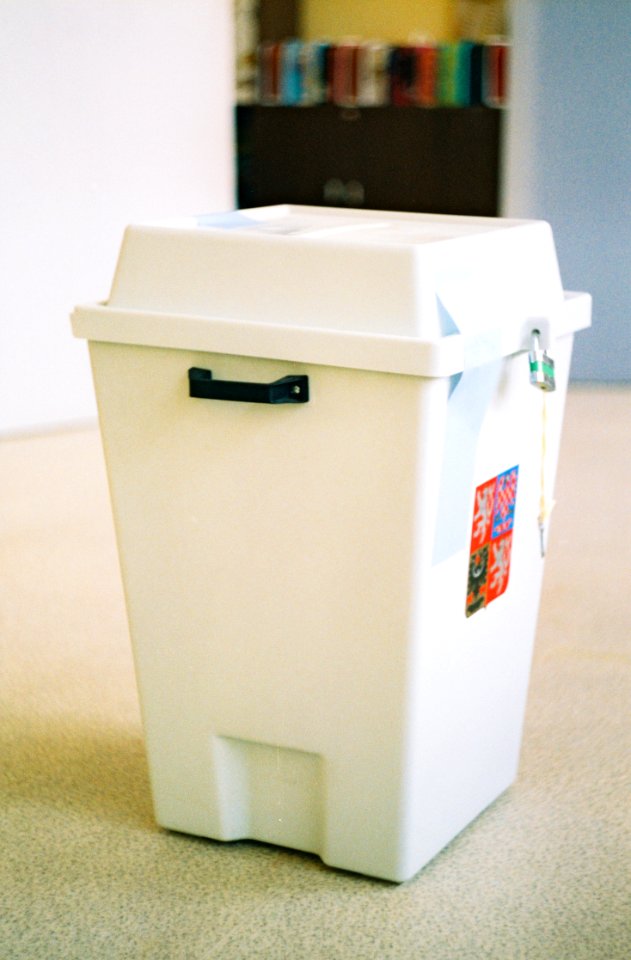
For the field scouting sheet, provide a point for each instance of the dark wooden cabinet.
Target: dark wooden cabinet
(440, 160)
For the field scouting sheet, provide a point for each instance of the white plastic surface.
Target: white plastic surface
(296, 581)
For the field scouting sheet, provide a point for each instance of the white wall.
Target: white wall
(110, 112)
(568, 158)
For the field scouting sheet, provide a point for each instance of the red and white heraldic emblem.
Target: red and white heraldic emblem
(491, 540)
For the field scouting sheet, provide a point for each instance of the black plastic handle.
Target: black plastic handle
(285, 390)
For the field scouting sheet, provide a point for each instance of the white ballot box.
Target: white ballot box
(331, 439)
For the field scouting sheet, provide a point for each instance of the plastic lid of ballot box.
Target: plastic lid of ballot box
(419, 294)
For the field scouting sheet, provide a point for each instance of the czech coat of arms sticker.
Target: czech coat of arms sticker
(491, 540)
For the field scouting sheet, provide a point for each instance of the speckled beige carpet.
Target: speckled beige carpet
(543, 874)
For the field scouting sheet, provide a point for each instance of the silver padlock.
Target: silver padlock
(541, 365)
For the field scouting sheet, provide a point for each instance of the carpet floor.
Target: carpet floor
(85, 874)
